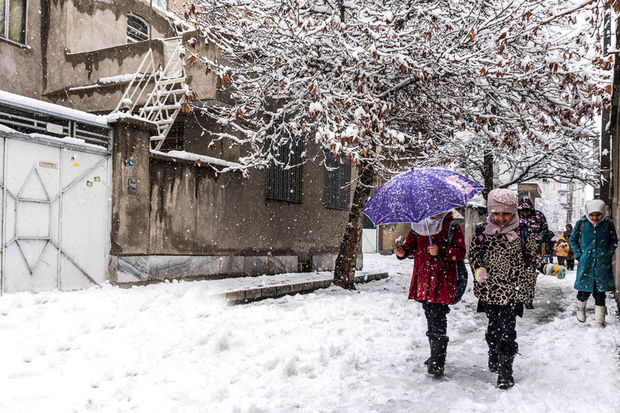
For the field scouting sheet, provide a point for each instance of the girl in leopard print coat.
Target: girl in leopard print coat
(503, 281)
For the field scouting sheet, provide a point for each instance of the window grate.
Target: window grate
(283, 184)
(137, 29)
(337, 177)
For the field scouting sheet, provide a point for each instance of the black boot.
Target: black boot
(439, 344)
(507, 352)
(427, 362)
(493, 354)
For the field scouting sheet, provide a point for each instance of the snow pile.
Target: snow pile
(175, 348)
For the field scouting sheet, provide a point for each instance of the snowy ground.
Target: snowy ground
(171, 348)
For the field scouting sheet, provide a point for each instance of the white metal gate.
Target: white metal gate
(369, 240)
(55, 205)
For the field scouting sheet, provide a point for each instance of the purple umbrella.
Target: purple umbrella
(418, 194)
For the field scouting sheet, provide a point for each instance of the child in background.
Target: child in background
(503, 259)
(434, 278)
(594, 241)
(561, 249)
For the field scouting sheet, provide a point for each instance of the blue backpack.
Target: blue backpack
(461, 269)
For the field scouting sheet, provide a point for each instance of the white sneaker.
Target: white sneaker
(581, 311)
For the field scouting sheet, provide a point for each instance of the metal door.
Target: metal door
(55, 215)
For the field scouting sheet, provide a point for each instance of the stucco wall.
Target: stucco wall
(130, 211)
(185, 209)
(97, 24)
(87, 42)
(80, 69)
(20, 65)
(195, 212)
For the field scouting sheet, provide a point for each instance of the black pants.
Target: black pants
(436, 321)
(570, 264)
(599, 297)
(502, 330)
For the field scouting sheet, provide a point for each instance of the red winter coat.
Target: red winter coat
(434, 278)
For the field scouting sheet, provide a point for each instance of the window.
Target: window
(174, 140)
(137, 29)
(337, 177)
(13, 20)
(285, 184)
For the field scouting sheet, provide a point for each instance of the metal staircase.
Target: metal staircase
(164, 90)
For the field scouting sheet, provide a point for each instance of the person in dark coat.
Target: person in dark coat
(570, 258)
(538, 229)
(434, 278)
(504, 261)
(594, 241)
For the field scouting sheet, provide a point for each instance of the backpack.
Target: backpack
(522, 236)
(461, 269)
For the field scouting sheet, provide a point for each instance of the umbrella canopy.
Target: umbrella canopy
(418, 194)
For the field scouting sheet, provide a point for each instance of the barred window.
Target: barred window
(13, 17)
(283, 184)
(337, 177)
(137, 29)
(174, 141)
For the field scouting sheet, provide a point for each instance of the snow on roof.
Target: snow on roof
(64, 140)
(196, 157)
(34, 105)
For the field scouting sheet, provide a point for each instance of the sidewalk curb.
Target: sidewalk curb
(277, 291)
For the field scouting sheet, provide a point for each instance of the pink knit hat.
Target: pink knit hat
(502, 200)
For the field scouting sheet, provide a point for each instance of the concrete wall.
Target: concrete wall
(183, 210)
(84, 69)
(204, 84)
(96, 24)
(74, 43)
(130, 211)
(87, 42)
(20, 65)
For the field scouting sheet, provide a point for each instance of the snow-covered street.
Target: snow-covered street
(171, 348)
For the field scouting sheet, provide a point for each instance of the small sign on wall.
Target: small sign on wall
(46, 164)
(53, 128)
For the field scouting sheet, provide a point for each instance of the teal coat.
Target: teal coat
(594, 250)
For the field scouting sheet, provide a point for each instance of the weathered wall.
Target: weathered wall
(193, 211)
(20, 65)
(95, 24)
(390, 233)
(204, 84)
(77, 70)
(87, 42)
(130, 211)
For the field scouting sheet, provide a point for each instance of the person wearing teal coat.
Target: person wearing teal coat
(594, 241)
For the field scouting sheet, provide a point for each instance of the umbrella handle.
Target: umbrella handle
(430, 240)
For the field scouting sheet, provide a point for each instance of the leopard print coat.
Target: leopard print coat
(509, 280)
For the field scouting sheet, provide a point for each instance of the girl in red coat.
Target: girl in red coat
(434, 278)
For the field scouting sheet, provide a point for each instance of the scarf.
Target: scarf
(510, 230)
(596, 205)
(429, 226)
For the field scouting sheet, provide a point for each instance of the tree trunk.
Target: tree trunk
(487, 174)
(347, 256)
